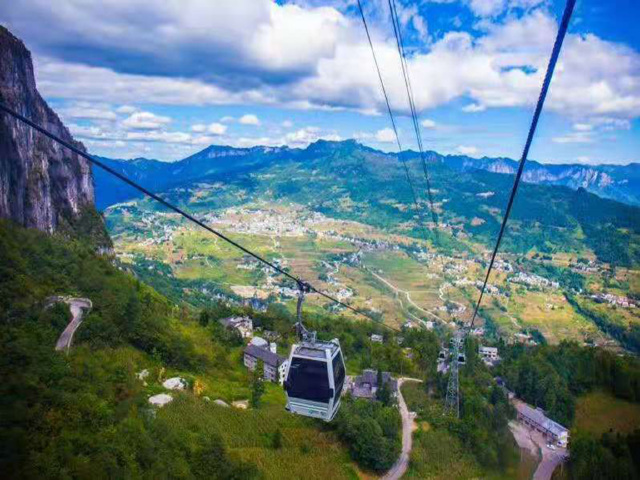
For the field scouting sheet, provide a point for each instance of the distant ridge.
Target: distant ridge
(616, 182)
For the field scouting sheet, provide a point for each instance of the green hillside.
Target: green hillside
(85, 414)
(349, 181)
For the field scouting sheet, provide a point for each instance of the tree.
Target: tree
(257, 384)
(383, 394)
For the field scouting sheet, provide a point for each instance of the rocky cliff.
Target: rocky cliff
(618, 182)
(42, 184)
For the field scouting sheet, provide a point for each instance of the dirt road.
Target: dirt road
(400, 467)
(407, 295)
(79, 307)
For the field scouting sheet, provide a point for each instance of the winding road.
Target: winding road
(79, 307)
(406, 294)
(400, 467)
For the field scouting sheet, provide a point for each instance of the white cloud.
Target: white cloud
(198, 128)
(227, 119)
(467, 150)
(473, 108)
(287, 124)
(486, 8)
(428, 123)
(249, 119)
(583, 127)
(217, 128)
(574, 137)
(160, 136)
(492, 8)
(126, 109)
(145, 121)
(307, 135)
(307, 57)
(85, 111)
(385, 135)
(583, 159)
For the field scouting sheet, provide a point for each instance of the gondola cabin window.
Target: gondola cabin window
(338, 374)
(309, 380)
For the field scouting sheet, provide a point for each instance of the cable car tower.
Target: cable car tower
(452, 401)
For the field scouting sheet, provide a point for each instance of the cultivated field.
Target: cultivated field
(393, 276)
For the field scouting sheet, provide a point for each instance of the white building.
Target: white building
(488, 353)
(259, 342)
(377, 338)
(244, 325)
(536, 419)
(275, 366)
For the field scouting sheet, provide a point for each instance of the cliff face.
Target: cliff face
(42, 184)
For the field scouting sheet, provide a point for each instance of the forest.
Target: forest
(552, 377)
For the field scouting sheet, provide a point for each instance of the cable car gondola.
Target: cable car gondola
(314, 379)
(315, 373)
(462, 359)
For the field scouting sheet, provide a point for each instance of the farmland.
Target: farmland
(599, 412)
(395, 277)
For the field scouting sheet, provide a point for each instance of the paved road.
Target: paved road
(550, 460)
(78, 307)
(535, 442)
(400, 467)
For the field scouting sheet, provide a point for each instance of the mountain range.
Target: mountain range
(351, 181)
(616, 182)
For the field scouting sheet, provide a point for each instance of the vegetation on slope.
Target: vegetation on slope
(610, 457)
(86, 415)
(600, 412)
(348, 181)
(552, 377)
(480, 437)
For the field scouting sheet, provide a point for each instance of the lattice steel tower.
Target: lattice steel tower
(452, 401)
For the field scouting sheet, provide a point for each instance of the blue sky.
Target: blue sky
(131, 78)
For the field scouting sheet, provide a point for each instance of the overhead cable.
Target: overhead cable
(393, 121)
(183, 213)
(412, 106)
(562, 30)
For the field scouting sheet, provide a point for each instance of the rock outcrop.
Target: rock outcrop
(42, 184)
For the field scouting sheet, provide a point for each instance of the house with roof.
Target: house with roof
(366, 385)
(259, 342)
(244, 325)
(275, 366)
(376, 338)
(409, 324)
(536, 419)
(489, 355)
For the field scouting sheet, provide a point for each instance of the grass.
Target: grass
(600, 412)
(307, 450)
(437, 454)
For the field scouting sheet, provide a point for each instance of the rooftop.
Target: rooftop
(370, 377)
(267, 356)
(537, 415)
(317, 349)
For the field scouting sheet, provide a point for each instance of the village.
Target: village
(454, 276)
